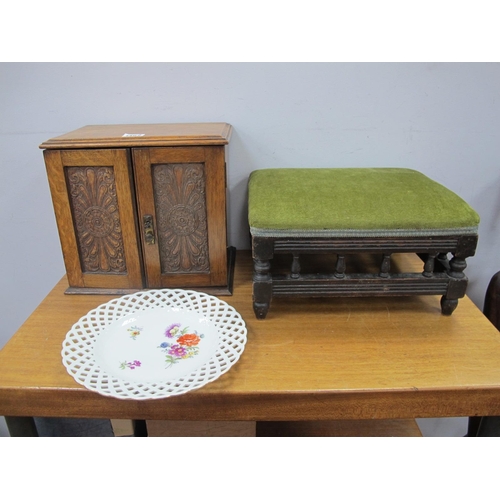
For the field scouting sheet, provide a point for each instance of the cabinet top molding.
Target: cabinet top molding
(137, 135)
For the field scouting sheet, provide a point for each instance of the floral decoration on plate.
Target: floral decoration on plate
(184, 344)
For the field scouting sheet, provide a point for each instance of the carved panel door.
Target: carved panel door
(182, 210)
(95, 212)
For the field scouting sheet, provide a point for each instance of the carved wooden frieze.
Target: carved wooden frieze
(94, 205)
(181, 217)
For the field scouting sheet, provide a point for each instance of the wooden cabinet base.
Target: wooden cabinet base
(225, 290)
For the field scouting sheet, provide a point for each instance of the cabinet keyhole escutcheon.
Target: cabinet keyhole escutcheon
(149, 232)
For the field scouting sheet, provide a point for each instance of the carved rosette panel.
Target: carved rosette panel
(181, 217)
(92, 194)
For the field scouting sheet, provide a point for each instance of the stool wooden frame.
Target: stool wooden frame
(444, 260)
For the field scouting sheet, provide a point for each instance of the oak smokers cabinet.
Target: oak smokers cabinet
(142, 206)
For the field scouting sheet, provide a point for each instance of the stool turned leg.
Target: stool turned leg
(448, 305)
(429, 265)
(457, 267)
(262, 287)
(449, 301)
(295, 271)
(340, 267)
(385, 267)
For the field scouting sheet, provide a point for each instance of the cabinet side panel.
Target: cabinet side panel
(216, 213)
(94, 205)
(179, 196)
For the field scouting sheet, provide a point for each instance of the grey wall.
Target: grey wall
(441, 119)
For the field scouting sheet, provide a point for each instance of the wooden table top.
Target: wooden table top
(310, 359)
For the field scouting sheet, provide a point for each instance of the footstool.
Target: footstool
(348, 211)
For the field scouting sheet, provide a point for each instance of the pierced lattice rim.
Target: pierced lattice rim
(78, 353)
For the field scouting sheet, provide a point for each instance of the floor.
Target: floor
(443, 427)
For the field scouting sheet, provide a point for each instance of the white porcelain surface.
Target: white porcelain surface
(154, 344)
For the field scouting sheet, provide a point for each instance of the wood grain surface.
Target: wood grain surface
(140, 135)
(311, 359)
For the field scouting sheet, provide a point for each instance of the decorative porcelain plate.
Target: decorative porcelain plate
(154, 344)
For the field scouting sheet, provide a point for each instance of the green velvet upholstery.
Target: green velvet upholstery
(357, 201)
